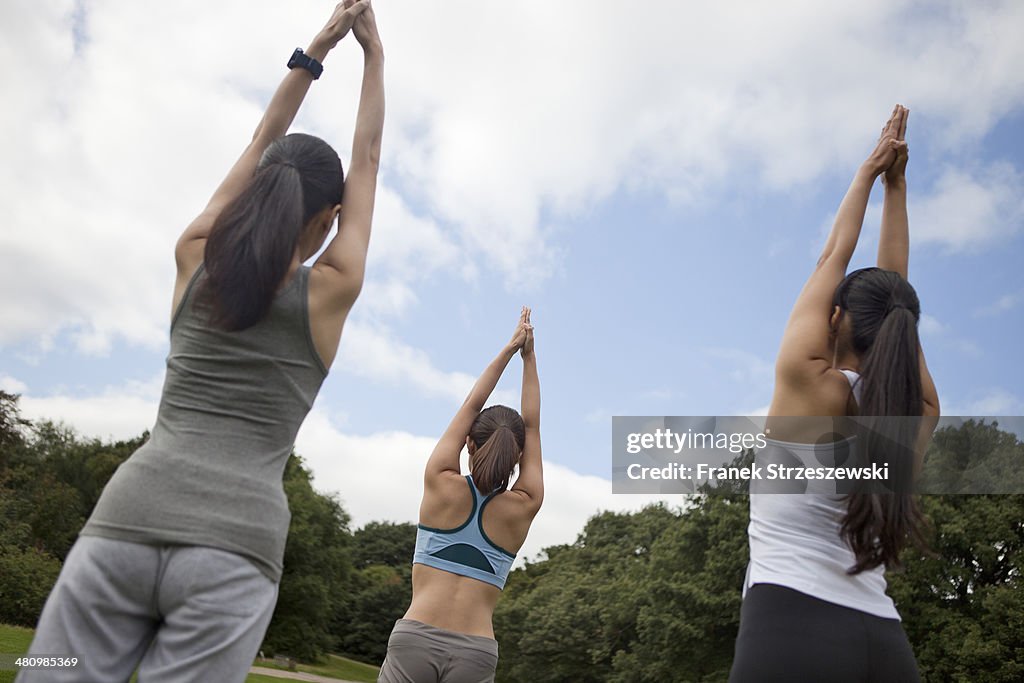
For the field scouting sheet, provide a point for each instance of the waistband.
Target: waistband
(446, 637)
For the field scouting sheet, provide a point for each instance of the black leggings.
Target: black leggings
(786, 635)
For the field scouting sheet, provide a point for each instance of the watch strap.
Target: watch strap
(301, 60)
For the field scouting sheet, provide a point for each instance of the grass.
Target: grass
(335, 667)
(15, 640)
(341, 667)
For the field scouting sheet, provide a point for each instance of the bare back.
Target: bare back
(460, 603)
(451, 600)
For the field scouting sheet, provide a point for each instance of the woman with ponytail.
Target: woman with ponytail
(176, 571)
(471, 528)
(815, 606)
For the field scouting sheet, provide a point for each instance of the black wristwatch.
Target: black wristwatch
(303, 61)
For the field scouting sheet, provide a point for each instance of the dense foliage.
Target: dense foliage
(647, 596)
(340, 592)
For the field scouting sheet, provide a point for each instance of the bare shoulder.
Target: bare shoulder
(811, 390)
(447, 501)
(508, 518)
(516, 504)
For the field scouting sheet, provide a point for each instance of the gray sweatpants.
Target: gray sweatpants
(421, 653)
(178, 613)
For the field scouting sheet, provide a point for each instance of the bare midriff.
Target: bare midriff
(452, 602)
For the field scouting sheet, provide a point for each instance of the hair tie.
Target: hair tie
(893, 306)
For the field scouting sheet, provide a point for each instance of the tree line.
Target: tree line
(341, 589)
(652, 595)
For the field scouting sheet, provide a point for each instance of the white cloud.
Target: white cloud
(991, 402)
(119, 412)
(1006, 302)
(490, 135)
(963, 209)
(385, 298)
(678, 96)
(934, 330)
(969, 211)
(404, 244)
(12, 385)
(405, 249)
(373, 352)
(997, 402)
(930, 325)
(115, 156)
(377, 476)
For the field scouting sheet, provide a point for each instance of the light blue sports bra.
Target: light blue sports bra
(465, 550)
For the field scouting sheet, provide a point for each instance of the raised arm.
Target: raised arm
(894, 239)
(343, 262)
(894, 254)
(445, 458)
(275, 122)
(530, 484)
(805, 345)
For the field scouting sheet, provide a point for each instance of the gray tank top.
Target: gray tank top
(232, 404)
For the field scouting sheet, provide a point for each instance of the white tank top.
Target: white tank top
(794, 537)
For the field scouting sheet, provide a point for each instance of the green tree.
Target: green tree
(51, 478)
(570, 616)
(380, 591)
(53, 481)
(690, 596)
(963, 606)
(384, 543)
(975, 457)
(646, 596)
(317, 569)
(379, 595)
(12, 427)
(26, 576)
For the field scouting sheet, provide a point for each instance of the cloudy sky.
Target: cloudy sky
(655, 179)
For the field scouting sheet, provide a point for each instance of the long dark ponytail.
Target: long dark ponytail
(254, 238)
(884, 311)
(499, 435)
